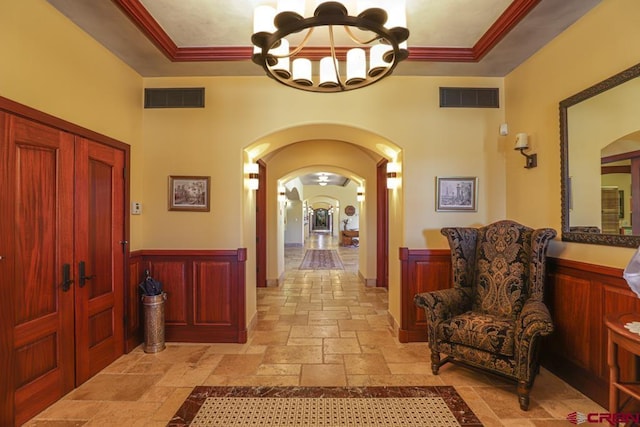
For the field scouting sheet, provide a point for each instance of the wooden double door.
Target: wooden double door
(61, 266)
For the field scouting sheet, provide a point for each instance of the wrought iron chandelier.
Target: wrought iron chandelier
(379, 35)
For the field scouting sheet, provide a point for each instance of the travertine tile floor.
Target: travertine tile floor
(318, 328)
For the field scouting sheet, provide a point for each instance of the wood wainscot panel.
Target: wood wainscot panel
(133, 307)
(422, 270)
(205, 293)
(172, 273)
(579, 295)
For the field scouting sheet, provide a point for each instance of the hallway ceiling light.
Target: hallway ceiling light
(376, 31)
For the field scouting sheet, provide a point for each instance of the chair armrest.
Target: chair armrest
(534, 321)
(443, 304)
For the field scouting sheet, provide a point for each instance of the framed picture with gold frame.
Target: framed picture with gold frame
(189, 193)
(457, 194)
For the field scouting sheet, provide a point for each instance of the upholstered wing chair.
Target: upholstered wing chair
(494, 315)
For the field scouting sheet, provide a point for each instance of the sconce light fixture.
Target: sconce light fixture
(393, 180)
(360, 194)
(252, 169)
(522, 143)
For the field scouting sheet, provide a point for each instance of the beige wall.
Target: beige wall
(601, 44)
(53, 66)
(258, 116)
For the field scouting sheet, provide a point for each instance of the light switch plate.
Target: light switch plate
(136, 208)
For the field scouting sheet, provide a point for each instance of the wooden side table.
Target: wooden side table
(619, 336)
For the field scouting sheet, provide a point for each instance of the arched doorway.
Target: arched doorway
(377, 150)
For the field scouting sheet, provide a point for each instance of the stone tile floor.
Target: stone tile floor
(318, 328)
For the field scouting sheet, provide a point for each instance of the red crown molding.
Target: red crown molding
(230, 53)
(149, 26)
(516, 11)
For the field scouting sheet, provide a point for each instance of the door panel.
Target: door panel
(99, 213)
(38, 227)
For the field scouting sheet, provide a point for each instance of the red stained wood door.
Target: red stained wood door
(37, 243)
(99, 231)
(61, 201)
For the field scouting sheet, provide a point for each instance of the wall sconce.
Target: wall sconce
(360, 194)
(522, 143)
(393, 180)
(252, 169)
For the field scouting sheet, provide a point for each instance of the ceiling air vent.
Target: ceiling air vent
(468, 97)
(191, 97)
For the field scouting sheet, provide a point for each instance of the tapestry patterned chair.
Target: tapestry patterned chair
(494, 315)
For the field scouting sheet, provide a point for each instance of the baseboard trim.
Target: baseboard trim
(274, 283)
(251, 324)
(393, 325)
(368, 282)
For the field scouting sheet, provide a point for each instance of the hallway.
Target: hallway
(319, 328)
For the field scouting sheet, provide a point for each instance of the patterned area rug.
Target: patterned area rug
(428, 406)
(321, 259)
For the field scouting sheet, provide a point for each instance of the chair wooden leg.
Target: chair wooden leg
(523, 394)
(435, 362)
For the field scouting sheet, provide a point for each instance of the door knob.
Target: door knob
(66, 277)
(83, 276)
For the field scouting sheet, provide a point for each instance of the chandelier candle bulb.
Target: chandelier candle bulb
(377, 64)
(356, 66)
(263, 17)
(396, 15)
(282, 54)
(328, 75)
(302, 72)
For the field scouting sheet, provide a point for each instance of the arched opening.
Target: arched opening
(352, 152)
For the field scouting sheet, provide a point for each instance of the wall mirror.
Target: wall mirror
(600, 162)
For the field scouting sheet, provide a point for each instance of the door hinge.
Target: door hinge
(124, 244)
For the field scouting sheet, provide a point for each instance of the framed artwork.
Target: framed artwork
(189, 193)
(457, 194)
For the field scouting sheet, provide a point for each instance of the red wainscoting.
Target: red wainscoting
(205, 294)
(579, 295)
(422, 270)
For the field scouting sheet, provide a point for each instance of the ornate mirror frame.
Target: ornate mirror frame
(581, 237)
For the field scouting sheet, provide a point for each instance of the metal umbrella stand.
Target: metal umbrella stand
(153, 299)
